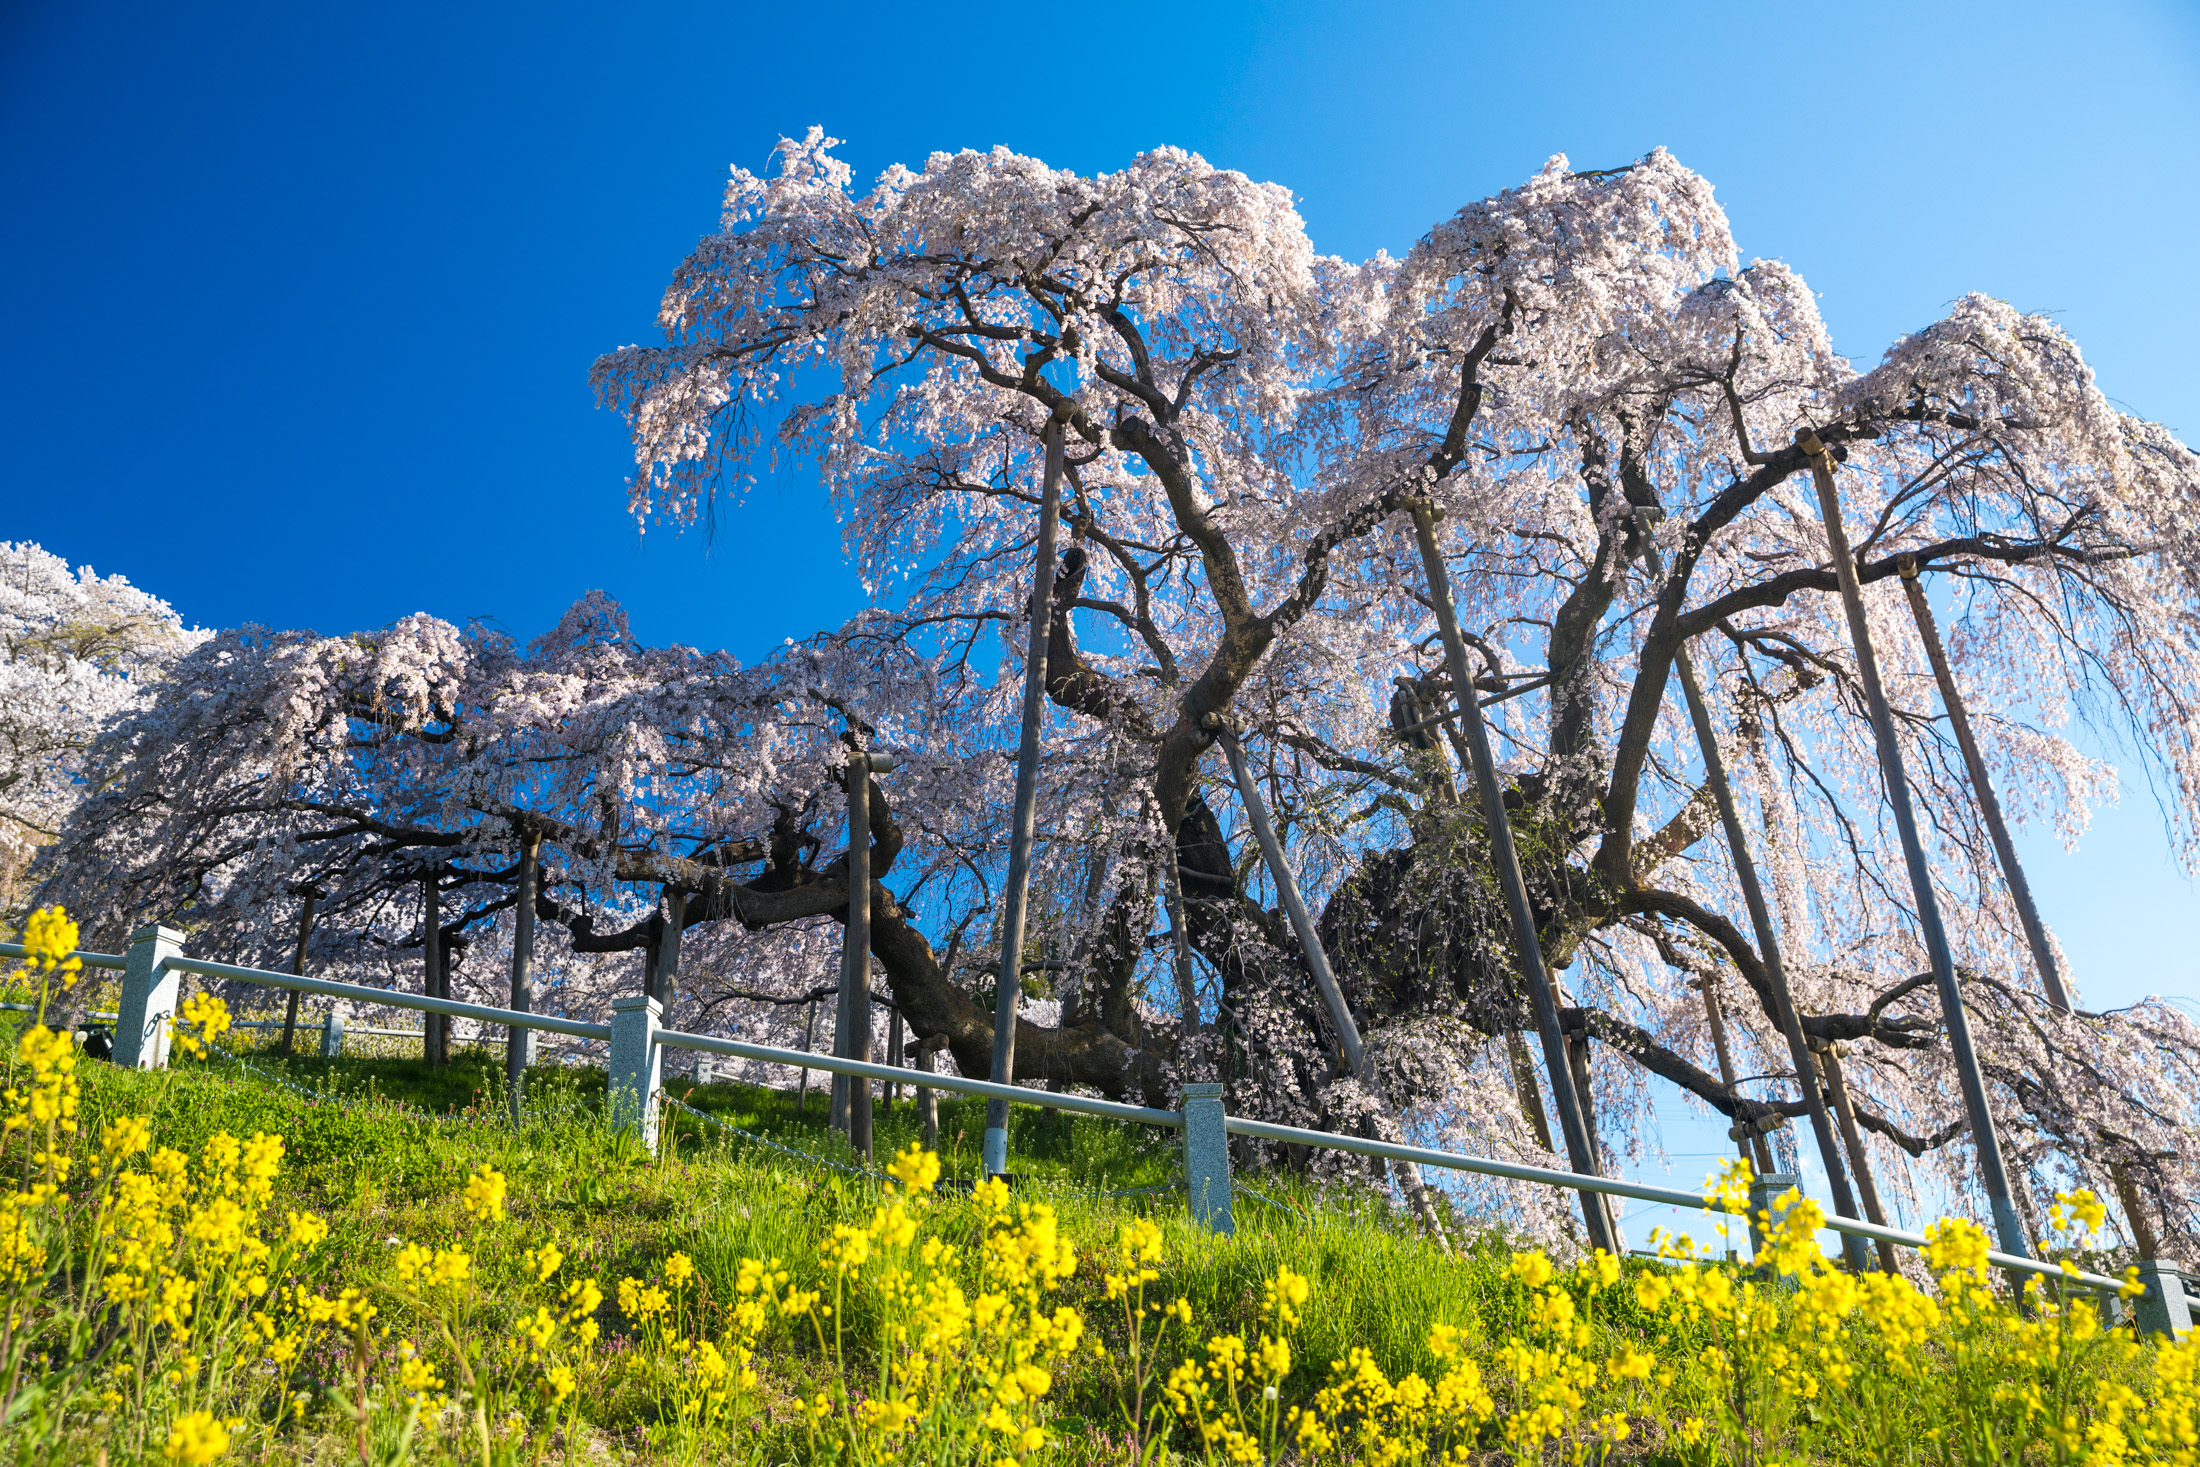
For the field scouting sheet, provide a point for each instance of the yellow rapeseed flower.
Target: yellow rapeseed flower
(483, 1196)
(196, 1438)
(916, 1169)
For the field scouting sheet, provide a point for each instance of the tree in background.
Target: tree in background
(77, 650)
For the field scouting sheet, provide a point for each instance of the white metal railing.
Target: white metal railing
(634, 1089)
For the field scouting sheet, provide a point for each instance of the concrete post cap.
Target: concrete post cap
(627, 1003)
(1204, 1090)
(156, 931)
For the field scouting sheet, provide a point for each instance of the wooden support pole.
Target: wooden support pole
(664, 981)
(297, 970)
(1982, 790)
(1985, 1135)
(1180, 944)
(1527, 944)
(1023, 817)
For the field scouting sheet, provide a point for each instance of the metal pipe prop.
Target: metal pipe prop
(1982, 789)
(1985, 1137)
(1527, 946)
(1760, 918)
(1317, 965)
(855, 972)
(519, 1049)
(297, 965)
(1027, 803)
(435, 1044)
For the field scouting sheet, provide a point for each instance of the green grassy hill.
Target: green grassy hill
(1635, 1361)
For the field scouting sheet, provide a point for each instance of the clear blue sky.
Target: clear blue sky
(299, 301)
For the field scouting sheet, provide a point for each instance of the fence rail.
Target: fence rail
(634, 1091)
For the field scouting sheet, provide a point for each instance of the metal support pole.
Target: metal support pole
(1751, 1145)
(1830, 1057)
(1982, 789)
(928, 1099)
(1527, 946)
(637, 1066)
(664, 982)
(519, 1044)
(809, 1046)
(1325, 982)
(1207, 1158)
(1524, 1082)
(1010, 985)
(297, 970)
(894, 1057)
(436, 1039)
(1760, 918)
(148, 1003)
(852, 1038)
(2012, 869)
(1984, 1135)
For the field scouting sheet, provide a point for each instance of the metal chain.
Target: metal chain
(1284, 1208)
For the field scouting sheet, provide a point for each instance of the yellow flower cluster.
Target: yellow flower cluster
(199, 1023)
(49, 947)
(224, 1317)
(483, 1197)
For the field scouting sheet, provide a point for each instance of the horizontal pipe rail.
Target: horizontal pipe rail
(371, 1031)
(1487, 1166)
(1020, 1095)
(361, 994)
(89, 960)
(895, 1074)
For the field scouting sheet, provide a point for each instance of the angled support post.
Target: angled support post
(1207, 1158)
(1325, 981)
(519, 1044)
(2165, 1308)
(1596, 1212)
(1760, 917)
(1985, 1136)
(637, 1066)
(1008, 987)
(148, 998)
(928, 1100)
